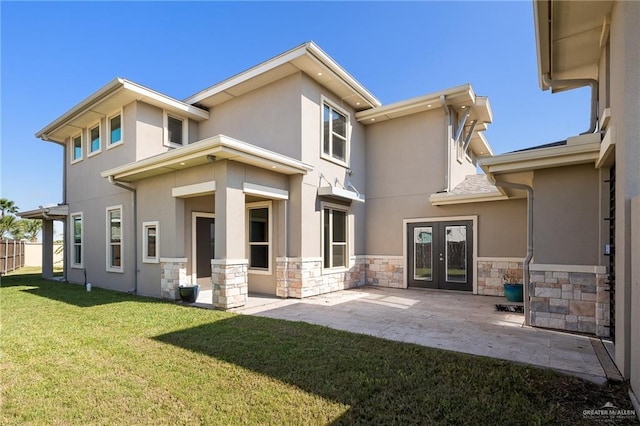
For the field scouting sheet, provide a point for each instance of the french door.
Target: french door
(439, 255)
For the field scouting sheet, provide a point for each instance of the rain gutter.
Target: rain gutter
(134, 194)
(573, 84)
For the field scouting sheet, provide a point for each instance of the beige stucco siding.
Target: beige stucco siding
(625, 110)
(566, 212)
(268, 117)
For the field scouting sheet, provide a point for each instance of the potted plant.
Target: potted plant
(188, 292)
(513, 286)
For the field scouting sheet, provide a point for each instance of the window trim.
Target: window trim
(145, 242)
(108, 143)
(329, 157)
(76, 135)
(72, 263)
(89, 129)
(331, 206)
(185, 133)
(108, 266)
(260, 205)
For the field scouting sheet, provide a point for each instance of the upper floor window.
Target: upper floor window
(114, 239)
(334, 237)
(175, 130)
(77, 240)
(259, 219)
(76, 148)
(94, 139)
(114, 124)
(334, 133)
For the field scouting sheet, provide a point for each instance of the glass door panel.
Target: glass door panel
(456, 254)
(423, 253)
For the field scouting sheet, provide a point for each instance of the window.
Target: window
(115, 130)
(334, 133)
(150, 235)
(175, 130)
(76, 148)
(94, 139)
(77, 240)
(335, 238)
(259, 224)
(114, 239)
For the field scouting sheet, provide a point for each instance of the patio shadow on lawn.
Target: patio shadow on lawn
(381, 381)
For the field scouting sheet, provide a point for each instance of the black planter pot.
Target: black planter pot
(189, 294)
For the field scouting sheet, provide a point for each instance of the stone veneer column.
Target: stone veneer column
(570, 300)
(384, 271)
(173, 272)
(490, 273)
(230, 283)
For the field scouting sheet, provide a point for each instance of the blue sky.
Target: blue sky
(55, 54)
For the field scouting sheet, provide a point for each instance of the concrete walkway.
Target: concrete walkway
(447, 320)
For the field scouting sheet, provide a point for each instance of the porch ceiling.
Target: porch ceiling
(208, 150)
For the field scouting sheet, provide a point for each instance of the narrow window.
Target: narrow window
(335, 238)
(76, 150)
(150, 237)
(259, 229)
(114, 239)
(94, 139)
(175, 130)
(76, 249)
(115, 129)
(334, 129)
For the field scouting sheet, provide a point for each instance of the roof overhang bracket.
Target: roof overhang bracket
(461, 124)
(467, 138)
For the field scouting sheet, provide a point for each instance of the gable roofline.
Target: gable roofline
(458, 98)
(117, 91)
(307, 57)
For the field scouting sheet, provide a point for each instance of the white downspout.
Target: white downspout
(447, 138)
(579, 82)
(527, 260)
(134, 193)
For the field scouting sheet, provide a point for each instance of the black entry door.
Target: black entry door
(439, 255)
(205, 242)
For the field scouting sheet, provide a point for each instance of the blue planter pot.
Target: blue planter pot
(513, 292)
(189, 294)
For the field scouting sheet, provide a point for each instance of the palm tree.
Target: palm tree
(9, 226)
(31, 228)
(7, 206)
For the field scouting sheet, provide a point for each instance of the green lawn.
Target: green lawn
(74, 357)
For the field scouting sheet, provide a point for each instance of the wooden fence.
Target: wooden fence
(11, 255)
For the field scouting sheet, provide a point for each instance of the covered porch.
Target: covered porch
(49, 215)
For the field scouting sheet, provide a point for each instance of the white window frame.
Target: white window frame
(185, 133)
(261, 205)
(76, 160)
(108, 143)
(347, 244)
(89, 129)
(109, 267)
(145, 242)
(347, 149)
(72, 230)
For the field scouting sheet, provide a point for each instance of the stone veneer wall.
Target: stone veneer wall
(304, 277)
(570, 299)
(173, 272)
(384, 271)
(490, 272)
(230, 285)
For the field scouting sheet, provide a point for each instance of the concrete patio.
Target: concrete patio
(453, 321)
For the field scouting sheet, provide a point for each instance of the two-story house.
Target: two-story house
(288, 179)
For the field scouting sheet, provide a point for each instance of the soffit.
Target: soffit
(307, 58)
(208, 150)
(108, 100)
(569, 37)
